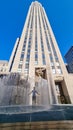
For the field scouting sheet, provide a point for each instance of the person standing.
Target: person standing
(34, 93)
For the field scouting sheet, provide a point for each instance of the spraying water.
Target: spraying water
(14, 90)
(42, 88)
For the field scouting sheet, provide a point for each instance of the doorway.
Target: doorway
(60, 93)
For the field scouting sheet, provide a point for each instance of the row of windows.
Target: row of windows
(24, 45)
(36, 45)
(31, 12)
(26, 70)
(42, 47)
(48, 45)
(54, 51)
(45, 25)
(32, 19)
(28, 53)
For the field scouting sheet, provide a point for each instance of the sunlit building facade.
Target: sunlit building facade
(36, 54)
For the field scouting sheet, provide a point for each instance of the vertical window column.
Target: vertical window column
(57, 64)
(24, 45)
(26, 70)
(23, 52)
(36, 45)
(56, 60)
(48, 44)
(42, 47)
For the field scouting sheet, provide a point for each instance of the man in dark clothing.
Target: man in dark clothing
(34, 92)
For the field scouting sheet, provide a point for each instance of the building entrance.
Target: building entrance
(60, 93)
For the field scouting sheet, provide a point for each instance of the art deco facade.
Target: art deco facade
(36, 54)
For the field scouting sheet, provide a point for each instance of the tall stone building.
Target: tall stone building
(36, 55)
(36, 61)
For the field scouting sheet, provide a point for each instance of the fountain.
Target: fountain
(14, 90)
(42, 89)
(16, 113)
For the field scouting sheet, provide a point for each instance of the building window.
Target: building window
(51, 57)
(27, 65)
(52, 64)
(26, 71)
(53, 71)
(56, 59)
(20, 66)
(42, 46)
(21, 59)
(19, 70)
(36, 56)
(59, 71)
(22, 56)
(36, 62)
(52, 67)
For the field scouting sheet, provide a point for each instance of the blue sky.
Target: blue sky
(13, 14)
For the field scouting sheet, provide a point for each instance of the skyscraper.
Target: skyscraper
(35, 81)
(36, 55)
(69, 59)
